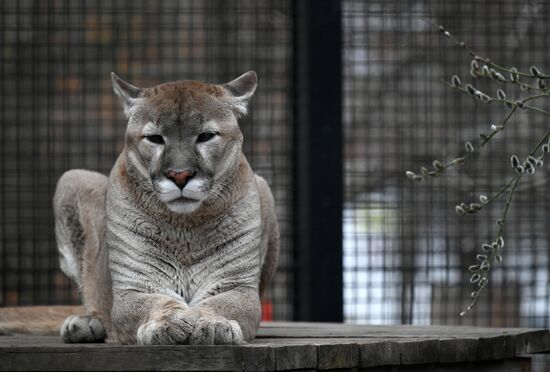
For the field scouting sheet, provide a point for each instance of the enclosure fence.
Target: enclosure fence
(405, 253)
(58, 111)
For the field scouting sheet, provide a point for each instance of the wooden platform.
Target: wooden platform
(293, 346)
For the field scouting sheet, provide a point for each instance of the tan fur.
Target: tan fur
(160, 263)
(38, 320)
(271, 233)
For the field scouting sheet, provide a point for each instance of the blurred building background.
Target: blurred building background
(404, 251)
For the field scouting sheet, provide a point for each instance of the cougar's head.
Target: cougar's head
(183, 138)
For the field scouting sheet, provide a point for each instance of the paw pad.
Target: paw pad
(82, 329)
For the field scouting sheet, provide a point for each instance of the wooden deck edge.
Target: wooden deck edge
(274, 356)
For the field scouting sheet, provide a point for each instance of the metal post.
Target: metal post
(318, 155)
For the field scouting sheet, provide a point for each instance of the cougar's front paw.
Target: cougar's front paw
(82, 328)
(167, 330)
(191, 328)
(216, 330)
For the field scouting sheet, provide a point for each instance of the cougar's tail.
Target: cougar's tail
(35, 320)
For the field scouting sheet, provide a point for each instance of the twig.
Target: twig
(487, 61)
(481, 272)
(492, 252)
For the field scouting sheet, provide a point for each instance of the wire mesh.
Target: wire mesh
(406, 252)
(58, 112)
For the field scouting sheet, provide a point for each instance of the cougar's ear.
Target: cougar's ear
(126, 91)
(240, 90)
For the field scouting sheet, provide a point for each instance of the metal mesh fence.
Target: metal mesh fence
(406, 252)
(57, 110)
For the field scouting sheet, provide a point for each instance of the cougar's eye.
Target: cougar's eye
(155, 139)
(206, 136)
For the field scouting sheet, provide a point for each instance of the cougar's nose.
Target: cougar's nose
(180, 177)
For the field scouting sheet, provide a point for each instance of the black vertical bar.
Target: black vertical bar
(318, 155)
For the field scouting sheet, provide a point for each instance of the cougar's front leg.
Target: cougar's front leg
(151, 319)
(79, 208)
(156, 319)
(228, 318)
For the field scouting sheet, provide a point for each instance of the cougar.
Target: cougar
(177, 245)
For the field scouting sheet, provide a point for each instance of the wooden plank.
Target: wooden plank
(317, 341)
(419, 351)
(332, 356)
(258, 358)
(379, 354)
(509, 365)
(181, 358)
(490, 348)
(349, 346)
(295, 357)
(535, 341)
(304, 330)
(418, 328)
(458, 350)
(510, 346)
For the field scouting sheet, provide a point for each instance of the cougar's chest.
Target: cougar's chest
(148, 253)
(188, 245)
(200, 262)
